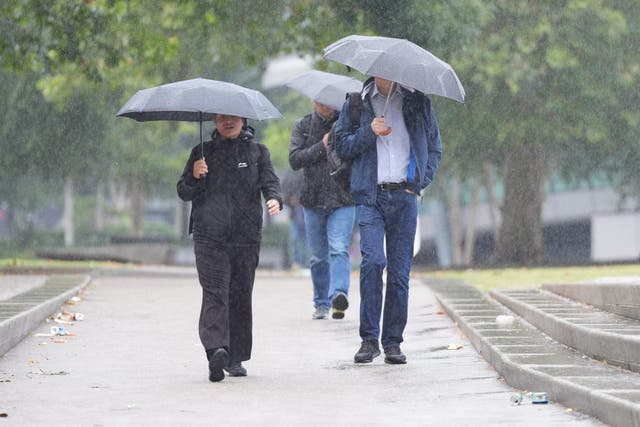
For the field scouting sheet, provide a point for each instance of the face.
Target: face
(384, 85)
(228, 126)
(324, 110)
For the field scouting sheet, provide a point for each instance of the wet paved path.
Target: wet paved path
(136, 360)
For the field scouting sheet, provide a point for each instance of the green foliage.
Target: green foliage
(559, 74)
(277, 133)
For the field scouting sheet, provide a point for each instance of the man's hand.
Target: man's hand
(274, 206)
(325, 140)
(200, 168)
(379, 126)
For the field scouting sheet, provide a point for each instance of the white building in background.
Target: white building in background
(587, 225)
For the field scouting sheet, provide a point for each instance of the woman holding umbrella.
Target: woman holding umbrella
(225, 179)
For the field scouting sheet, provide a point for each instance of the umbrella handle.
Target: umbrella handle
(202, 175)
(384, 110)
(387, 131)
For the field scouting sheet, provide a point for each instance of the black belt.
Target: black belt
(391, 186)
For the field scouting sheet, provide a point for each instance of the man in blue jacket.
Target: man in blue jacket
(396, 152)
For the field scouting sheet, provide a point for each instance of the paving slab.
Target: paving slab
(619, 345)
(567, 375)
(22, 312)
(616, 295)
(136, 360)
(13, 284)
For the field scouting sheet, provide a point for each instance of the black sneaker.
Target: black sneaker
(394, 356)
(368, 351)
(339, 303)
(235, 369)
(219, 359)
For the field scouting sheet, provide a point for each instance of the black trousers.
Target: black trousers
(226, 274)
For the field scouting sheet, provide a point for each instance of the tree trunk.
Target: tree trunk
(67, 220)
(137, 210)
(494, 204)
(521, 231)
(117, 196)
(470, 227)
(455, 217)
(98, 218)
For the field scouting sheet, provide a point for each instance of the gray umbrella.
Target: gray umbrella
(197, 100)
(326, 88)
(398, 60)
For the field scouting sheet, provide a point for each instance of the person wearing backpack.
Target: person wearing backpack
(329, 213)
(395, 153)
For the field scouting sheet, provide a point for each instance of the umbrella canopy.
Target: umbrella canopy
(197, 100)
(326, 88)
(398, 60)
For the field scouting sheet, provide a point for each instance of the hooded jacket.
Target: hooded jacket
(424, 138)
(227, 204)
(307, 151)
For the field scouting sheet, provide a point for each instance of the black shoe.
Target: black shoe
(339, 303)
(394, 356)
(368, 351)
(235, 369)
(218, 360)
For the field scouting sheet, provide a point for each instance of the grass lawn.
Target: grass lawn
(531, 277)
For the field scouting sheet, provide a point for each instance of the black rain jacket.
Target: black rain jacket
(306, 151)
(226, 204)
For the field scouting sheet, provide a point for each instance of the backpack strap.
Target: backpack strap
(355, 104)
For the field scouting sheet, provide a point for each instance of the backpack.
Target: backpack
(339, 169)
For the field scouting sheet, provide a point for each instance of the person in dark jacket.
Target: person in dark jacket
(396, 152)
(225, 181)
(329, 213)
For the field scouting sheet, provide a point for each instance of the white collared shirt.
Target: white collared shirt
(393, 149)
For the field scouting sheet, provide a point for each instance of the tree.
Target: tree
(549, 74)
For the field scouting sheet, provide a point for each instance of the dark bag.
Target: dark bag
(339, 169)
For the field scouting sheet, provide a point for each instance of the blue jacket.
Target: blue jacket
(426, 147)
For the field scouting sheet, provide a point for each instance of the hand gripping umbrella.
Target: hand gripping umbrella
(398, 60)
(326, 88)
(197, 100)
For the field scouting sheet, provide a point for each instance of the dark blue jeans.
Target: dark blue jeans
(393, 218)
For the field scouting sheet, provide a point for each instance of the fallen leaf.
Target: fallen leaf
(440, 312)
(454, 347)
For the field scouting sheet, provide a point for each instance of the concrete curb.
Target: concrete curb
(528, 376)
(16, 328)
(617, 349)
(605, 296)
